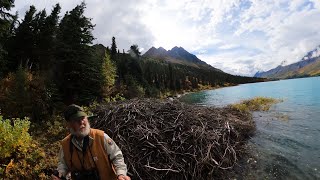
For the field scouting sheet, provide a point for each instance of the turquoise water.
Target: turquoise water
(286, 144)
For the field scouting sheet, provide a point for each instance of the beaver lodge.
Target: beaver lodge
(172, 140)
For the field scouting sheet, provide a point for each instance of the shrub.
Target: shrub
(14, 136)
(23, 157)
(116, 97)
(26, 94)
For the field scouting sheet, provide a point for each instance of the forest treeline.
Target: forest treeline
(48, 61)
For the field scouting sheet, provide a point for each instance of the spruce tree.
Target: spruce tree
(38, 51)
(22, 52)
(79, 76)
(6, 23)
(113, 54)
(46, 40)
(171, 77)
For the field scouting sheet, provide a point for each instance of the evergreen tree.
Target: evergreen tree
(134, 51)
(79, 76)
(134, 68)
(38, 51)
(47, 45)
(109, 72)
(6, 23)
(113, 54)
(24, 42)
(172, 78)
(47, 39)
(5, 20)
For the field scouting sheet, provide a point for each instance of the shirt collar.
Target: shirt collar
(78, 144)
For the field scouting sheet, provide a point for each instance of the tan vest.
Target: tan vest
(99, 155)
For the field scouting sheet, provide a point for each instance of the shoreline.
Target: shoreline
(179, 94)
(207, 88)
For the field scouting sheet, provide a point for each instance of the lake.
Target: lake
(286, 144)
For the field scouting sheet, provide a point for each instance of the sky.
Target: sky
(239, 37)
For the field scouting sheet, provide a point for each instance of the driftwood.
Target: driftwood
(171, 140)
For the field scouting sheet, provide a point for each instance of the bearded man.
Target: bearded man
(88, 153)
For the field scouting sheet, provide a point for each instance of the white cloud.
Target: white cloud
(238, 36)
(295, 4)
(228, 46)
(316, 4)
(237, 62)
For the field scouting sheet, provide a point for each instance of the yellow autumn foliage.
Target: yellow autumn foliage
(14, 136)
(24, 157)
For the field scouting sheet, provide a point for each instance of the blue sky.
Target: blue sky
(237, 36)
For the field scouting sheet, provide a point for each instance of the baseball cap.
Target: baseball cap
(73, 111)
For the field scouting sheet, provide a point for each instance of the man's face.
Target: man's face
(79, 127)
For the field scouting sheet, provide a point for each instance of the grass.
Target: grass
(256, 104)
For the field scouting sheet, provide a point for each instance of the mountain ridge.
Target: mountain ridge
(303, 68)
(177, 55)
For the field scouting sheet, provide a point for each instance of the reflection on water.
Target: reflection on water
(286, 144)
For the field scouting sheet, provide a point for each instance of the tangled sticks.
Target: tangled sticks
(172, 140)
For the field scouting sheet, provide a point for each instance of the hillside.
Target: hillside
(311, 69)
(309, 65)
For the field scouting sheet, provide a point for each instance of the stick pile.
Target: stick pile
(171, 140)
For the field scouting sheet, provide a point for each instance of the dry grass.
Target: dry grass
(255, 104)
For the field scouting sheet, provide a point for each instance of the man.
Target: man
(88, 153)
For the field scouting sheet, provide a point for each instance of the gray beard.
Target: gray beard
(80, 134)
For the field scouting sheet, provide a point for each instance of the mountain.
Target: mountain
(177, 55)
(309, 65)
